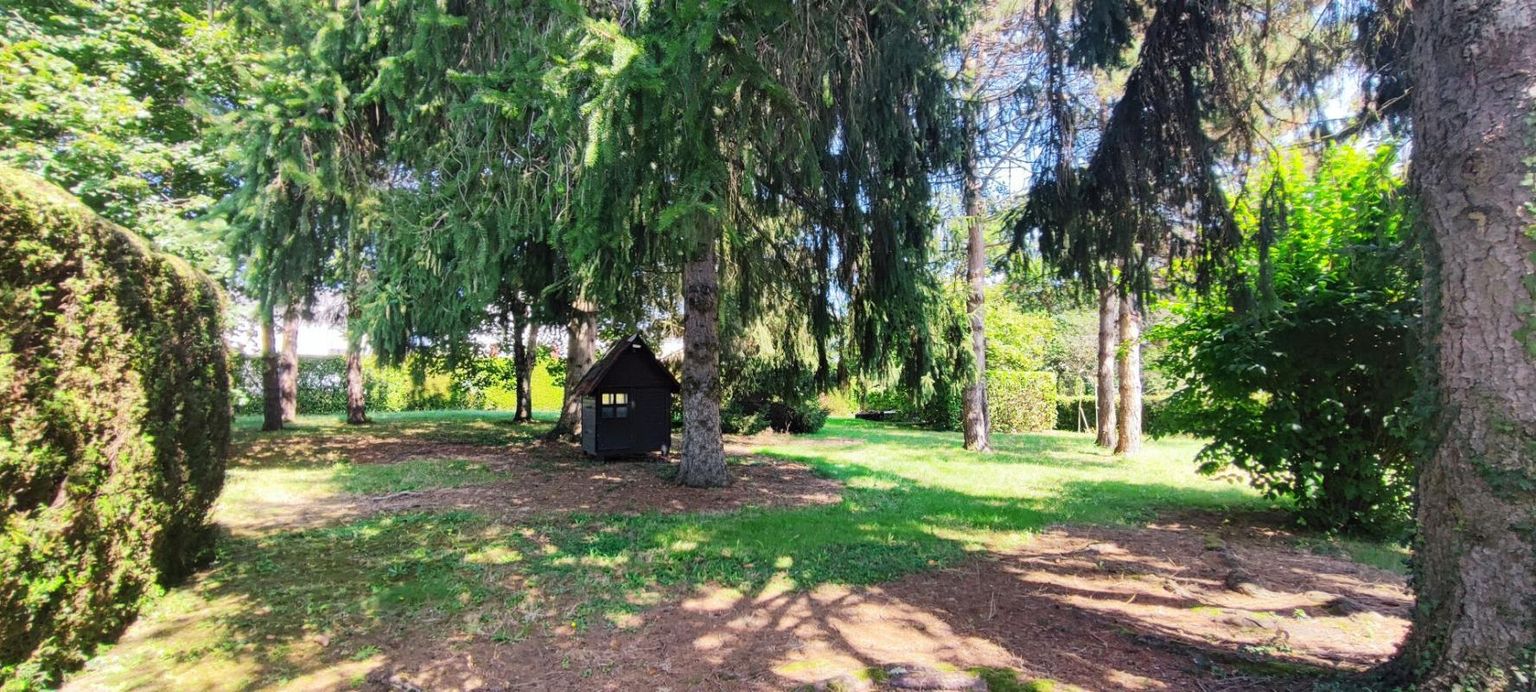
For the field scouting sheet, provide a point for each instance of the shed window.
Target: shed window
(613, 405)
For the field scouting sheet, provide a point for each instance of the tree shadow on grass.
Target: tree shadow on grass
(774, 597)
(327, 442)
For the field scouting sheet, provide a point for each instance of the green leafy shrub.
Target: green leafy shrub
(760, 394)
(1021, 401)
(1307, 386)
(740, 419)
(114, 425)
(798, 418)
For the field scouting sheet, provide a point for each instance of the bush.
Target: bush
(1307, 387)
(741, 419)
(1021, 401)
(114, 425)
(760, 394)
(799, 418)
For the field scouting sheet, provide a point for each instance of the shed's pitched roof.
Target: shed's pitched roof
(599, 370)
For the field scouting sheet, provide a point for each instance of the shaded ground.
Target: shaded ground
(1099, 608)
(561, 480)
(450, 551)
(524, 477)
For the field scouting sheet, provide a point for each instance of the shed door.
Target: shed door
(589, 425)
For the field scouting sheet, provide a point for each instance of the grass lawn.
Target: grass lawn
(318, 603)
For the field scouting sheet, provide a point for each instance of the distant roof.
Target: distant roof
(599, 370)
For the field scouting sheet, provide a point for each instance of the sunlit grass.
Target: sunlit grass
(416, 474)
(913, 501)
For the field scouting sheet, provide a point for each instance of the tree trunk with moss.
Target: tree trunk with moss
(288, 365)
(703, 463)
(271, 395)
(1104, 394)
(974, 399)
(1128, 413)
(1474, 108)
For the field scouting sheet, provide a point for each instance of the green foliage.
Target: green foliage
(111, 100)
(761, 394)
(707, 129)
(415, 385)
(1307, 387)
(114, 424)
(1017, 340)
(1154, 418)
(1021, 400)
(1019, 344)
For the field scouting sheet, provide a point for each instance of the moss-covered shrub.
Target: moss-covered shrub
(114, 425)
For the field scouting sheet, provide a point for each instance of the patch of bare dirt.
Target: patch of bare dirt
(547, 478)
(358, 448)
(532, 478)
(1096, 608)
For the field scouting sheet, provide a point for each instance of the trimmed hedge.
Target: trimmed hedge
(1018, 401)
(114, 426)
(323, 388)
(1021, 400)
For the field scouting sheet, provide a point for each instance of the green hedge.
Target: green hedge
(114, 425)
(1018, 401)
(323, 387)
(1021, 400)
(1153, 418)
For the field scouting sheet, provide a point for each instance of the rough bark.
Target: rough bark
(522, 363)
(975, 420)
(1474, 109)
(580, 354)
(271, 397)
(1105, 392)
(288, 365)
(1128, 412)
(357, 393)
(703, 462)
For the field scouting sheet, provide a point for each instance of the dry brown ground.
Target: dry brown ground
(1093, 607)
(543, 477)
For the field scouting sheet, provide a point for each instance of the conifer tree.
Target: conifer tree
(726, 126)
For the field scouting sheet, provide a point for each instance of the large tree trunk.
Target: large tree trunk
(703, 463)
(974, 415)
(357, 393)
(1474, 101)
(580, 354)
(1128, 429)
(522, 363)
(288, 365)
(1105, 392)
(271, 397)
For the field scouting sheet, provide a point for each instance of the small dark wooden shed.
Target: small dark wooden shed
(626, 402)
